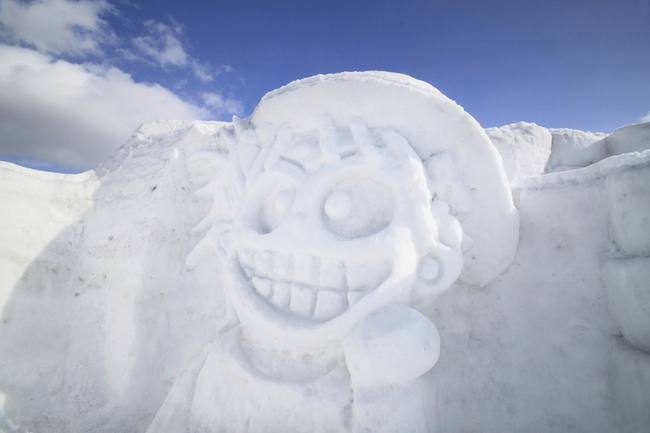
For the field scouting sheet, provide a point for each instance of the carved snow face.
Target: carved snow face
(332, 229)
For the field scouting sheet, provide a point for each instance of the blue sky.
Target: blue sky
(77, 77)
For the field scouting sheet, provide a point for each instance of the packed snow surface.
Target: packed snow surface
(358, 254)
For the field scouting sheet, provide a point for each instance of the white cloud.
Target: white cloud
(645, 118)
(65, 27)
(76, 115)
(221, 105)
(57, 26)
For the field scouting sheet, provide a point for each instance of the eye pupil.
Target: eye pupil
(283, 201)
(338, 206)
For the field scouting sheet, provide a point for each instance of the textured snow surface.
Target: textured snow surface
(525, 147)
(113, 296)
(36, 206)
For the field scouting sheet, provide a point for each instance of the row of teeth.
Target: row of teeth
(310, 286)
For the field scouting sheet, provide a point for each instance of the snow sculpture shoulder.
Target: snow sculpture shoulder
(344, 202)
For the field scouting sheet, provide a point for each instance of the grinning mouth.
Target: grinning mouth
(309, 286)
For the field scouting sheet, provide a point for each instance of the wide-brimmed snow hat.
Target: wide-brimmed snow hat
(465, 168)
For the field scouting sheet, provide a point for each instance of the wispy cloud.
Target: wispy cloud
(645, 118)
(202, 72)
(217, 103)
(162, 43)
(57, 26)
(74, 113)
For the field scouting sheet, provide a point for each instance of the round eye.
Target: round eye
(358, 207)
(338, 206)
(275, 205)
(428, 269)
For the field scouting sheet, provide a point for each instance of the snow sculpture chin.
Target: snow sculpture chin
(336, 214)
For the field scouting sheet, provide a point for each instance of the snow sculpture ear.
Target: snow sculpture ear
(450, 194)
(440, 267)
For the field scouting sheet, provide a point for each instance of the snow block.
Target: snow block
(572, 148)
(628, 297)
(630, 138)
(524, 147)
(629, 206)
(630, 385)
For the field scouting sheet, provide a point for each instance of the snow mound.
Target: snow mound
(524, 147)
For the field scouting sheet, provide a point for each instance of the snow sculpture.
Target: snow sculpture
(342, 203)
(100, 318)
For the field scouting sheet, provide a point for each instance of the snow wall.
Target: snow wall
(111, 301)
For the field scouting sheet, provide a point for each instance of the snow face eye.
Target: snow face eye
(276, 205)
(357, 208)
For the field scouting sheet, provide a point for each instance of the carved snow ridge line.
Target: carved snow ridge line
(310, 286)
